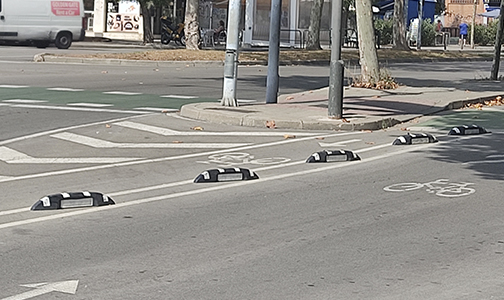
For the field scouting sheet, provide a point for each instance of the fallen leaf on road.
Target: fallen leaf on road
(345, 120)
(404, 129)
(319, 138)
(197, 128)
(289, 98)
(177, 142)
(104, 72)
(107, 125)
(375, 97)
(370, 143)
(270, 124)
(289, 136)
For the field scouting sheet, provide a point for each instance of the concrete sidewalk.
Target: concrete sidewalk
(363, 109)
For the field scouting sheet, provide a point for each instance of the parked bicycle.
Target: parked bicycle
(440, 187)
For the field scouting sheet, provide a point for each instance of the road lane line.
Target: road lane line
(169, 158)
(186, 182)
(49, 132)
(90, 104)
(122, 93)
(11, 156)
(208, 189)
(80, 109)
(167, 131)
(62, 89)
(97, 143)
(179, 96)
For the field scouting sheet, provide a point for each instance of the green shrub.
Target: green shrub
(384, 28)
(485, 34)
(428, 33)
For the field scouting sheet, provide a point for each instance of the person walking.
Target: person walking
(463, 34)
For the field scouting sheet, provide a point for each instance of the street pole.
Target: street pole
(231, 58)
(273, 52)
(336, 77)
(419, 31)
(497, 47)
(473, 23)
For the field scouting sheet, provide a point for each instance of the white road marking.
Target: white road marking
(179, 96)
(158, 109)
(169, 158)
(185, 182)
(24, 101)
(90, 104)
(67, 287)
(11, 156)
(246, 101)
(97, 143)
(122, 93)
(166, 131)
(31, 136)
(337, 144)
(79, 109)
(6, 86)
(219, 187)
(60, 89)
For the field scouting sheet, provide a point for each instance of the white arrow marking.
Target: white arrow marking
(341, 143)
(97, 143)
(11, 156)
(67, 287)
(166, 131)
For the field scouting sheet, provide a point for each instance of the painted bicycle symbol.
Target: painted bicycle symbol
(440, 187)
(230, 159)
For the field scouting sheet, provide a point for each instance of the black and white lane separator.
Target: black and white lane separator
(72, 200)
(227, 174)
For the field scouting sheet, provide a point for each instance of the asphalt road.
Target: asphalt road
(337, 230)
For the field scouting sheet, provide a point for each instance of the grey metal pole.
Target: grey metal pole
(494, 74)
(231, 59)
(420, 21)
(273, 52)
(336, 77)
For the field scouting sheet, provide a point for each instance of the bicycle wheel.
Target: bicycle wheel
(455, 192)
(403, 187)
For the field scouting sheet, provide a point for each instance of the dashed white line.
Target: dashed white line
(6, 86)
(122, 93)
(158, 109)
(90, 104)
(179, 96)
(24, 101)
(62, 89)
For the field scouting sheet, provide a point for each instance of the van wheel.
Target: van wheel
(63, 40)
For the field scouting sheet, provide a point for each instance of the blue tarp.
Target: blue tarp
(494, 13)
(428, 9)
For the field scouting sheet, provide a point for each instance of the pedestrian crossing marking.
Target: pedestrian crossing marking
(179, 96)
(98, 143)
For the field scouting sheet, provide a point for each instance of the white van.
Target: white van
(41, 22)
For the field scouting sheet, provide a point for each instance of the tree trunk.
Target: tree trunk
(148, 36)
(313, 41)
(191, 26)
(494, 75)
(370, 70)
(399, 27)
